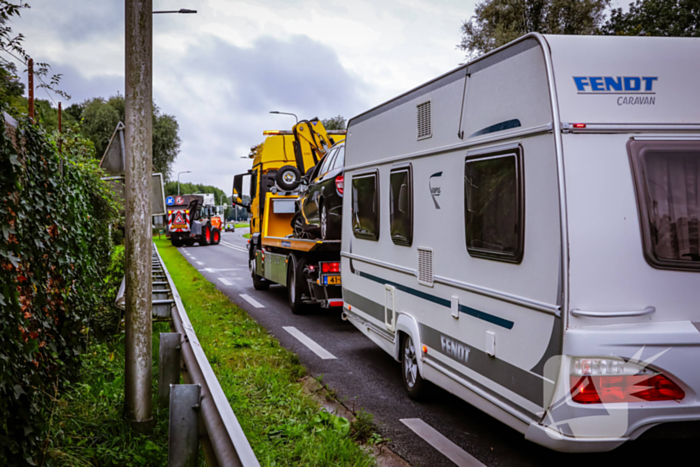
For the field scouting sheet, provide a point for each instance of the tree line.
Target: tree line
(497, 22)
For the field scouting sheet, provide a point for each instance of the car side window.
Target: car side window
(339, 161)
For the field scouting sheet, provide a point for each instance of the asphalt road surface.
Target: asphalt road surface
(364, 376)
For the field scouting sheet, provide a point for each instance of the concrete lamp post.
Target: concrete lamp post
(138, 144)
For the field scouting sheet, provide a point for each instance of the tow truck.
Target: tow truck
(309, 268)
(193, 218)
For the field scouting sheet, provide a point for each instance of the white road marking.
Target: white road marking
(200, 263)
(192, 257)
(214, 270)
(252, 301)
(224, 281)
(235, 247)
(446, 447)
(311, 344)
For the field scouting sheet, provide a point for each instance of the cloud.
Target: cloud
(221, 71)
(228, 92)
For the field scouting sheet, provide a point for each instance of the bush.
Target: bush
(55, 214)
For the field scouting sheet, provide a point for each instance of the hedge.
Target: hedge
(55, 214)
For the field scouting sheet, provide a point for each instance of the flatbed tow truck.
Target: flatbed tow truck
(309, 268)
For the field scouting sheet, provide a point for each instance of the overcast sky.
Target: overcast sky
(221, 71)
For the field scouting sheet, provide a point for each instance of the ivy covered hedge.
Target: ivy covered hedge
(55, 214)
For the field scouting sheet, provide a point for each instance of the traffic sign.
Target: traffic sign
(169, 200)
(179, 200)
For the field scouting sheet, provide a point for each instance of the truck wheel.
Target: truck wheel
(413, 382)
(258, 282)
(215, 236)
(205, 238)
(189, 242)
(177, 242)
(288, 177)
(295, 279)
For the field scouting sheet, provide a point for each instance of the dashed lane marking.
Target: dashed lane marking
(224, 281)
(235, 247)
(200, 263)
(446, 447)
(252, 301)
(310, 343)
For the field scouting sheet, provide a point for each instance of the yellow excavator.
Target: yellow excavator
(308, 268)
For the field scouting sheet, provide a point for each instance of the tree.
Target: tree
(334, 123)
(679, 18)
(497, 22)
(100, 118)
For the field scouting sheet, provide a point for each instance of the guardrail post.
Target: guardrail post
(183, 436)
(168, 365)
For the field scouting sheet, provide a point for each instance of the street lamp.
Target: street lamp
(277, 112)
(181, 10)
(178, 180)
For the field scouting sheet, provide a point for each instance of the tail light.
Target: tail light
(330, 267)
(340, 184)
(606, 380)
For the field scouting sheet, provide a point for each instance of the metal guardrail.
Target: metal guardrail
(226, 440)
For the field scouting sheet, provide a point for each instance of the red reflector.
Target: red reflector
(330, 267)
(336, 303)
(579, 125)
(624, 388)
(340, 184)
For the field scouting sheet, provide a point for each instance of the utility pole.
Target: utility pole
(30, 90)
(139, 155)
(60, 128)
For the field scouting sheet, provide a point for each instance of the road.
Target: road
(364, 376)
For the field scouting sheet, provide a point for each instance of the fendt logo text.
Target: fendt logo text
(632, 90)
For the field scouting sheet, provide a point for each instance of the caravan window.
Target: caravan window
(365, 206)
(401, 204)
(667, 179)
(493, 205)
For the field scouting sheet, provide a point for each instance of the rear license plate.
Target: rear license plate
(331, 280)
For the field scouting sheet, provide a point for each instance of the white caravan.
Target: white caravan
(523, 232)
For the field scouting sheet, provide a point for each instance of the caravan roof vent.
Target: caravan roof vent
(425, 266)
(425, 129)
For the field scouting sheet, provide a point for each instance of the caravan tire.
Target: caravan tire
(415, 385)
(295, 281)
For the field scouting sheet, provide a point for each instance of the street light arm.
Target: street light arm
(181, 11)
(277, 112)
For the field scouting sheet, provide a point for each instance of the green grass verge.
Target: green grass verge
(246, 235)
(242, 225)
(87, 424)
(260, 378)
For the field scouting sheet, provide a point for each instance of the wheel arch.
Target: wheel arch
(406, 325)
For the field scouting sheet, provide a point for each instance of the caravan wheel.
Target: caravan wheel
(412, 381)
